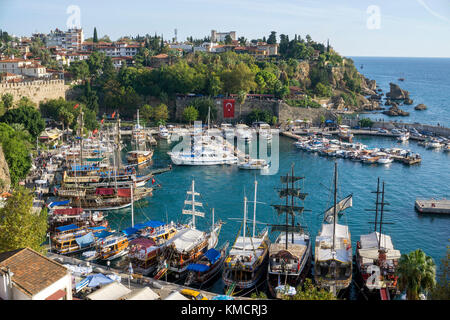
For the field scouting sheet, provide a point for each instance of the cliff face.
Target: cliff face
(5, 180)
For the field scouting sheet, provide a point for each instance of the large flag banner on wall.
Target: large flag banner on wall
(228, 108)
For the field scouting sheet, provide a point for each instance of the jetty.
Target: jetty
(432, 206)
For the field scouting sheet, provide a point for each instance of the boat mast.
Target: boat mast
(376, 204)
(193, 204)
(245, 222)
(132, 200)
(81, 136)
(381, 215)
(292, 203)
(334, 208)
(287, 213)
(254, 209)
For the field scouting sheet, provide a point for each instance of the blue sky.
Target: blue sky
(407, 28)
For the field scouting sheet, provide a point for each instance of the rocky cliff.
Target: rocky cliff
(5, 180)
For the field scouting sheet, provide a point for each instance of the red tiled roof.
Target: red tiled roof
(161, 56)
(33, 272)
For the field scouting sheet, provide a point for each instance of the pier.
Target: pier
(136, 281)
(432, 206)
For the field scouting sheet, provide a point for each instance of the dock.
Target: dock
(135, 281)
(432, 206)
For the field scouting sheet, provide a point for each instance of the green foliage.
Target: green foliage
(8, 100)
(160, 114)
(365, 123)
(416, 274)
(305, 102)
(16, 148)
(311, 292)
(95, 38)
(260, 295)
(442, 289)
(27, 115)
(190, 114)
(259, 115)
(349, 98)
(20, 227)
(203, 105)
(323, 90)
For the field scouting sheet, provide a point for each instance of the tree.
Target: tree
(416, 274)
(8, 100)
(95, 39)
(16, 148)
(190, 114)
(161, 114)
(272, 38)
(79, 69)
(27, 115)
(228, 39)
(366, 123)
(146, 112)
(20, 226)
(311, 292)
(442, 289)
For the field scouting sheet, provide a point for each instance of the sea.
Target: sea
(224, 187)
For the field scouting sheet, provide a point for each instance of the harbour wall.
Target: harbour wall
(278, 108)
(37, 90)
(437, 130)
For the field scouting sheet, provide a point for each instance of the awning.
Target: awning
(59, 294)
(85, 240)
(58, 203)
(197, 267)
(126, 193)
(212, 255)
(67, 227)
(130, 231)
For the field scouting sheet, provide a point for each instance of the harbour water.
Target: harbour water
(223, 187)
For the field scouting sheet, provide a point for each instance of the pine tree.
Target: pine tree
(95, 40)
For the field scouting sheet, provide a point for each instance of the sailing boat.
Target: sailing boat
(290, 255)
(138, 156)
(189, 243)
(246, 263)
(376, 258)
(333, 247)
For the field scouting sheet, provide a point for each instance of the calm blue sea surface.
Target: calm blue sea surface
(223, 187)
(426, 79)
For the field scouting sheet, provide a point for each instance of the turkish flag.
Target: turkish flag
(228, 108)
(102, 121)
(114, 113)
(76, 106)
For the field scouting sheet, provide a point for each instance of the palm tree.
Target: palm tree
(416, 274)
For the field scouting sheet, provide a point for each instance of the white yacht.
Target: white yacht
(403, 137)
(163, 133)
(254, 164)
(203, 152)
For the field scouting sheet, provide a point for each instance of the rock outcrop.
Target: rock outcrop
(396, 93)
(420, 106)
(395, 111)
(5, 179)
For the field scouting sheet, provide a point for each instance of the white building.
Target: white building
(70, 39)
(23, 67)
(119, 49)
(28, 275)
(220, 36)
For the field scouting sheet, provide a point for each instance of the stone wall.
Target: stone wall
(36, 91)
(278, 108)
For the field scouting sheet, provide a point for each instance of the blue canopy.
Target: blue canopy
(67, 227)
(212, 255)
(82, 284)
(85, 240)
(103, 234)
(58, 203)
(153, 223)
(129, 231)
(139, 226)
(197, 267)
(98, 279)
(329, 121)
(85, 168)
(100, 228)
